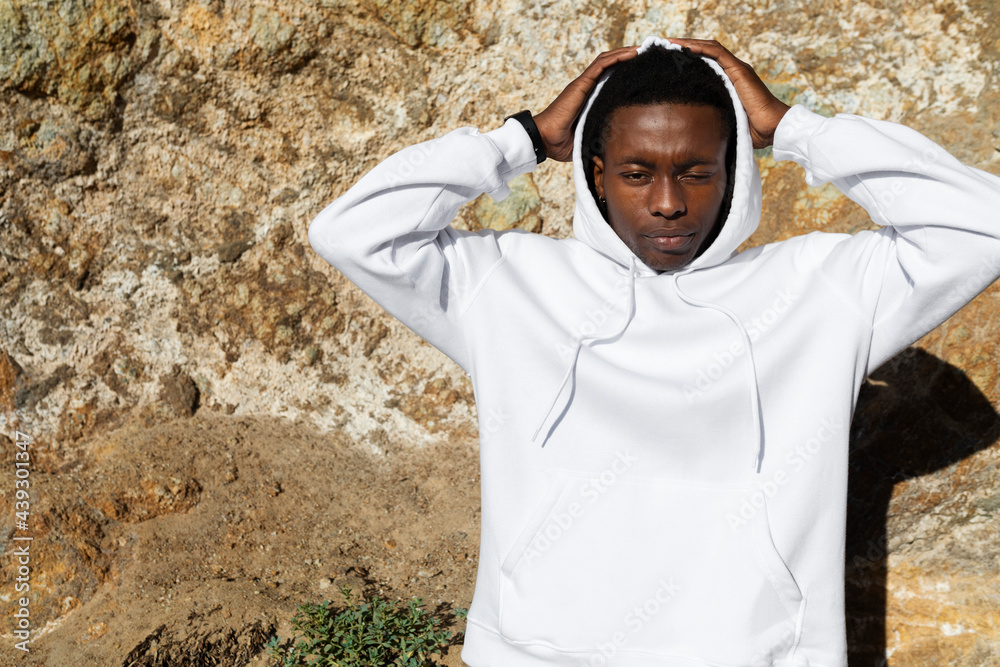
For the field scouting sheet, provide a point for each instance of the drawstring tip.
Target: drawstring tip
(534, 438)
(569, 375)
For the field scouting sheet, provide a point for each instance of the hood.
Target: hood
(590, 227)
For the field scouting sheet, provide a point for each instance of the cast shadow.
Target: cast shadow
(918, 416)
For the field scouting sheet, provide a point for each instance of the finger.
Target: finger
(710, 48)
(737, 70)
(606, 60)
(764, 110)
(555, 122)
(577, 91)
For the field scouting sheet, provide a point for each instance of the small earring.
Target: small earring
(602, 200)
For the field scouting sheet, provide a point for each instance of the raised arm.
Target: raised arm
(939, 245)
(390, 234)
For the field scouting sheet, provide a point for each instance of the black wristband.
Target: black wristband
(525, 119)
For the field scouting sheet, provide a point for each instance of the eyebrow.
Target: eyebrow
(691, 162)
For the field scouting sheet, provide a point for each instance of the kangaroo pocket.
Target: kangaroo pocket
(654, 567)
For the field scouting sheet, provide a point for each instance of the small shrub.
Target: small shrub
(372, 634)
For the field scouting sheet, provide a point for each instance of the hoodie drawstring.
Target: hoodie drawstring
(571, 371)
(755, 407)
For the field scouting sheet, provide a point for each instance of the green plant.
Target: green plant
(372, 634)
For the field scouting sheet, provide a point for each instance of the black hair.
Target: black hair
(659, 76)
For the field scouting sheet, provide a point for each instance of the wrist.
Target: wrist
(765, 125)
(779, 115)
(528, 123)
(542, 123)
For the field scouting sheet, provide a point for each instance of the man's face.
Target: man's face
(664, 178)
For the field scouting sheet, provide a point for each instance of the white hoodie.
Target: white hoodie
(664, 455)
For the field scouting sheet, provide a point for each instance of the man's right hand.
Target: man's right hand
(555, 124)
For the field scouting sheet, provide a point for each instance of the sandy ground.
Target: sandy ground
(191, 542)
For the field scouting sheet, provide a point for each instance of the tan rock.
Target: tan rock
(159, 164)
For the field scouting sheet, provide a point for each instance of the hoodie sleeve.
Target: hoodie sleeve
(939, 241)
(390, 234)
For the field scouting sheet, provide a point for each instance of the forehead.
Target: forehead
(672, 128)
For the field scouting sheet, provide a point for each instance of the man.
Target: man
(668, 485)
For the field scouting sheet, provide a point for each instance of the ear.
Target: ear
(599, 176)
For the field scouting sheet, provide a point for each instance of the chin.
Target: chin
(672, 264)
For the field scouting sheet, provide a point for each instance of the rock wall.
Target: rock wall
(160, 161)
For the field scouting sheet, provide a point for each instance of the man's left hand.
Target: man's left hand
(764, 110)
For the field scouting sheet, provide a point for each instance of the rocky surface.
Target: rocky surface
(224, 427)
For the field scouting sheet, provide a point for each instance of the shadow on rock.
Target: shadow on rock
(916, 416)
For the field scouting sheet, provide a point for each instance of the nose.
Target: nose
(666, 199)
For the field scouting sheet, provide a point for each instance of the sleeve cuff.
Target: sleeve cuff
(796, 129)
(515, 145)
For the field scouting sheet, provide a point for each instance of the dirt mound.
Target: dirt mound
(191, 542)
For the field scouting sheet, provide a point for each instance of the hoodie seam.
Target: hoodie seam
(465, 309)
(477, 290)
(878, 216)
(882, 220)
(809, 148)
(486, 185)
(474, 294)
(583, 653)
(512, 170)
(817, 261)
(851, 306)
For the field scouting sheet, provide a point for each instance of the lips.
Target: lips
(668, 240)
